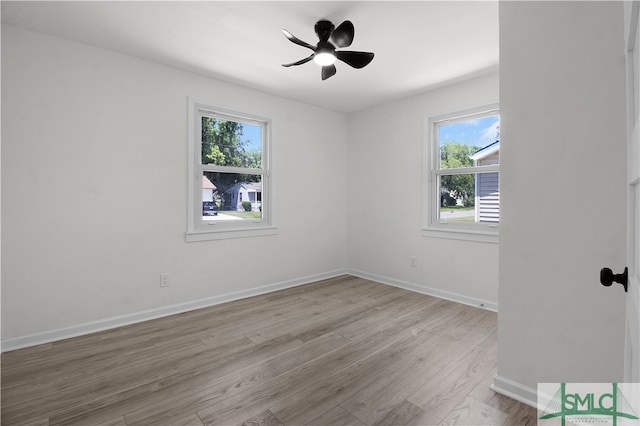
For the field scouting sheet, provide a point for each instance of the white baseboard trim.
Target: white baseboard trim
(128, 319)
(471, 301)
(515, 390)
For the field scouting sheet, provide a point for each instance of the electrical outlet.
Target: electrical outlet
(164, 280)
(413, 262)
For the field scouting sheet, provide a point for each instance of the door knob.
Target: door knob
(607, 277)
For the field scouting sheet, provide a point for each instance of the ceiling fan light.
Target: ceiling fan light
(324, 58)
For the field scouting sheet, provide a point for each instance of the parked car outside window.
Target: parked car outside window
(209, 208)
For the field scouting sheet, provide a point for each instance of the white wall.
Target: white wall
(563, 195)
(385, 183)
(94, 188)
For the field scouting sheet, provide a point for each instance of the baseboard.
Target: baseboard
(471, 301)
(515, 390)
(123, 320)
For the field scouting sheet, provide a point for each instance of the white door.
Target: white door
(632, 338)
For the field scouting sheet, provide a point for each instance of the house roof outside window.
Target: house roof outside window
(206, 184)
(249, 186)
(486, 151)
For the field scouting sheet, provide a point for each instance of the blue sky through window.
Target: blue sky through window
(478, 132)
(251, 133)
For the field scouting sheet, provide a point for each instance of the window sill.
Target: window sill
(195, 236)
(462, 234)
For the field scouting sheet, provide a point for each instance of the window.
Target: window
(462, 166)
(229, 174)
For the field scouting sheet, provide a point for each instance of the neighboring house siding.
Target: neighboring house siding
(488, 198)
(244, 191)
(488, 191)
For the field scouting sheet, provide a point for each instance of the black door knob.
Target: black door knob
(607, 277)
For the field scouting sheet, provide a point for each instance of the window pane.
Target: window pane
(468, 142)
(230, 143)
(231, 196)
(457, 198)
(470, 197)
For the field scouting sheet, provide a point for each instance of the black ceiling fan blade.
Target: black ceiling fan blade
(297, 41)
(328, 71)
(355, 59)
(343, 35)
(300, 62)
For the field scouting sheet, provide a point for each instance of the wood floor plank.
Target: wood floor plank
(522, 415)
(257, 399)
(336, 416)
(360, 326)
(305, 406)
(347, 305)
(24, 353)
(309, 318)
(374, 402)
(394, 318)
(343, 351)
(38, 422)
(167, 394)
(54, 385)
(267, 318)
(451, 385)
(341, 286)
(53, 365)
(473, 412)
(483, 393)
(115, 422)
(225, 319)
(192, 420)
(462, 320)
(210, 390)
(113, 380)
(407, 414)
(309, 288)
(266, 418)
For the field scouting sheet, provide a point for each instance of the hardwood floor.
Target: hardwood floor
(344, 351)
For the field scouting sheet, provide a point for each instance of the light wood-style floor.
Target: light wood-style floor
(344, 351)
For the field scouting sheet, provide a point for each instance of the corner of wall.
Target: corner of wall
(515, 390)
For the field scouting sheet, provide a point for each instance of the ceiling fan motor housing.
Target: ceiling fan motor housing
(324, 29)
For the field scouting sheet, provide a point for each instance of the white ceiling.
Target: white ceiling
(418, 44)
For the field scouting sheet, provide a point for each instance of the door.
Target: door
(632, 336)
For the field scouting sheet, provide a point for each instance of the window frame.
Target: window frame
(432, 225)
(197, 228)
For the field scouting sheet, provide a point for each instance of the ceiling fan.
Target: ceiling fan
(325, 53)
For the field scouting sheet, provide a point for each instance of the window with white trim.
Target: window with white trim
(462, 166)
(229, 174)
